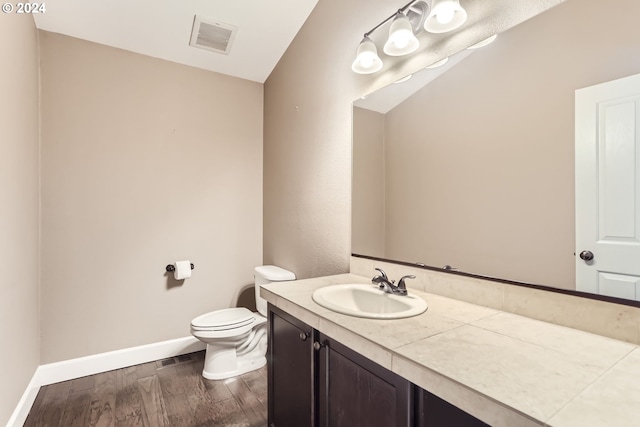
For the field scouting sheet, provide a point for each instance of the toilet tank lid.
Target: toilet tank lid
(274, 273)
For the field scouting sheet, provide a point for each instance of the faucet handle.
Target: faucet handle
(382, 273)
(401, 284)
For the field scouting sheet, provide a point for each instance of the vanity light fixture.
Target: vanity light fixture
(435, 16)
(407, 22)
(445, 16)
(401, 39)
(367, 60)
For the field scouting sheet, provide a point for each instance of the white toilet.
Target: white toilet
(236, 338)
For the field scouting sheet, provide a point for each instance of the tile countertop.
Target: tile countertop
(504, 369)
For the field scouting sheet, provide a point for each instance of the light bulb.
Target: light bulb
(367, 60)
(401, 39)
(445, 15)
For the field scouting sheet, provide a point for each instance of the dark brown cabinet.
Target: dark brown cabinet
(315, 381)
(354, 391)
(290, 371)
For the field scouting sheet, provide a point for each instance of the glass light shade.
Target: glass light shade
(367, 60)
(445, 16)
(484, 42)
(401, 39)
(438, 63)
(404, 79)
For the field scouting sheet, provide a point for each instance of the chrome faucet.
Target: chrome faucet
(389, 286)
(383, 281)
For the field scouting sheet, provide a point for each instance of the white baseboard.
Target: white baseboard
(89, 365)
(21, 411)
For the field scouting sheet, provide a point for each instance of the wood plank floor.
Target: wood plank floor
(170, 392)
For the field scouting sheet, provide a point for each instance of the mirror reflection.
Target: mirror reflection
(476, 169)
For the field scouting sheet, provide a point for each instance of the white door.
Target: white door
(608, 188)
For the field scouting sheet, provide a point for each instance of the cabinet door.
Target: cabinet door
(354, 391)
(435, 412)
(290, 371)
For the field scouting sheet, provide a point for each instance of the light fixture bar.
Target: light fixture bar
(401, 10)
(401, 40)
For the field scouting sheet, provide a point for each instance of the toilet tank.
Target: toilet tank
(268, 274)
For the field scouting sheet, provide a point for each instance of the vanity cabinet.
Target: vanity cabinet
(315, 381)
(354, 391)
(291, 373)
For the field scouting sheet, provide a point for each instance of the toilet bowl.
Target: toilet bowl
(236, 338)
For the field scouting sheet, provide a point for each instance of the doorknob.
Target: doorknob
(586, 255)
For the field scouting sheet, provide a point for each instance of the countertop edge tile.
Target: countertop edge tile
(359, 344)
(477, 404)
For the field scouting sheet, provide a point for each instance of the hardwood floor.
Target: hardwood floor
(170, 392)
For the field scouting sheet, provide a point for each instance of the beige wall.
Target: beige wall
(307, 136)
(144, 162)
(487, 149)
(368, 175)
(19, 208)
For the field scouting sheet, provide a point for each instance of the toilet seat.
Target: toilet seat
(223, 320)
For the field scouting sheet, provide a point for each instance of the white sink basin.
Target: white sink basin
(368, 301)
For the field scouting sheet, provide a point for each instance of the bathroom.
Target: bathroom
(117, 175)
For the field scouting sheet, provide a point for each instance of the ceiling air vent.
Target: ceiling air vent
(212, 35)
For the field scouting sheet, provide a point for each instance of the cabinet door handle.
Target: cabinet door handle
(317, 346)
(304, 336)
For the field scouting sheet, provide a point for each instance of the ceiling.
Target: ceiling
(162, 29)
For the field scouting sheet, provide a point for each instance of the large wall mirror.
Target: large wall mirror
(475, 170)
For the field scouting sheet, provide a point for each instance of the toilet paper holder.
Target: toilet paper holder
(172, 267)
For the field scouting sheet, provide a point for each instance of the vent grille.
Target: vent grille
(212, 35)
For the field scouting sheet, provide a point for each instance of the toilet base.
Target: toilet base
(223, 363)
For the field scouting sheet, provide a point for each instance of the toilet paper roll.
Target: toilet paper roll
(183, 270)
